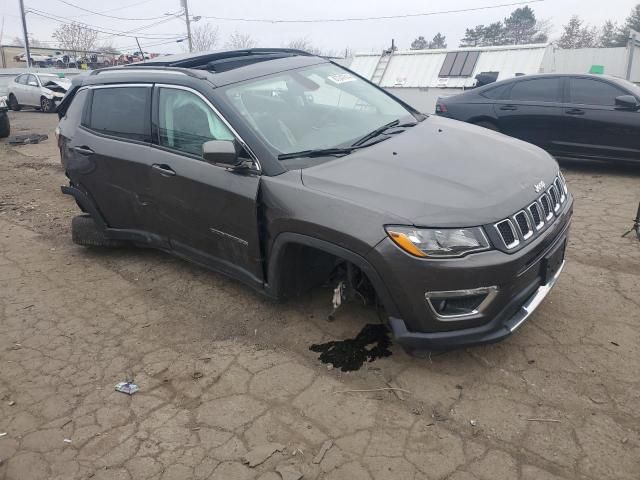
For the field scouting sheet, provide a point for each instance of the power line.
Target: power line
(364, 19)
(109, 33)
(108, 16)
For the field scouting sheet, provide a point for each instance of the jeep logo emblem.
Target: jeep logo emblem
(539, 186)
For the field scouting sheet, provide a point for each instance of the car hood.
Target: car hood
(440, 173)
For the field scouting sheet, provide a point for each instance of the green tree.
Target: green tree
(473, 37)
(577, 34)
(419, 43)
(610, 35)
(631, 23)
(495, 34)
(439, 41)
(519, 28)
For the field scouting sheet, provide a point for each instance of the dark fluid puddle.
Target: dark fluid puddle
(349, 355)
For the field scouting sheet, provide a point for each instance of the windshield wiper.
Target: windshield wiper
(379, 131)
(321, 152)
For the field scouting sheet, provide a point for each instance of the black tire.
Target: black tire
(13, 103)
(5, 126)
(488, 125)
(85, 232)
(46, 105)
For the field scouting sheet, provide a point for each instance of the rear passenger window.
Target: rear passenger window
(72, 118)
(121, 112)
(585, 91)
(496, 93)
(537, 90)
(186, 121)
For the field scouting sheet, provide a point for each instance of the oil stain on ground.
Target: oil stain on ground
(348, 355)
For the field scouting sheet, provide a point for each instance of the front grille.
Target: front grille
(508, 233)
(533, 219)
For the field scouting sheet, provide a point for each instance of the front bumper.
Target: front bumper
(521, 279)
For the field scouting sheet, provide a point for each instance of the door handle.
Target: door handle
(83, 150)
(164, 170)
(509, 107)
(575, 111)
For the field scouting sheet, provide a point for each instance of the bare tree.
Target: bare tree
(204, 37)
(76, 37)
(108, 49)
(304, 44)
(240, 41)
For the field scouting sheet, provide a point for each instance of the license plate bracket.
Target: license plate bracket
(552, 262)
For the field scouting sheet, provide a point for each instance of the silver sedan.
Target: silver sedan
(39, 90)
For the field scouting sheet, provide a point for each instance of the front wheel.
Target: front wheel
(47, 105)
(13, 103)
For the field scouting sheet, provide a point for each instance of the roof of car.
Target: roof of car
(220, 67)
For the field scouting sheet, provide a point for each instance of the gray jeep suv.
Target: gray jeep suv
(286, 171)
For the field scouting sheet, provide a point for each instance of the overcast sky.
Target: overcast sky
(360, 36)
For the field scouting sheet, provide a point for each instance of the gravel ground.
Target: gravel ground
(224, 372)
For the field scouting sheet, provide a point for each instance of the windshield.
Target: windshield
(318, 107)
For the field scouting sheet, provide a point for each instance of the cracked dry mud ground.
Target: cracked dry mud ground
(74, 322)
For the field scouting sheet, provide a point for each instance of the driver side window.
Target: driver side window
(186, 121)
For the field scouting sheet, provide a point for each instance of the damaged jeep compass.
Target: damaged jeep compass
(286, 171)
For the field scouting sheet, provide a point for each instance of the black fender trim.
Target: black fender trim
(284, 239)
(86, 203)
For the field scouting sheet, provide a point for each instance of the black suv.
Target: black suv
(286, 171)
(571, 116)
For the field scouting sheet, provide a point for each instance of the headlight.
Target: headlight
(439, 242)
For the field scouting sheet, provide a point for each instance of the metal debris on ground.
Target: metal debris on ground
(287, 472)
(371, 343)
(3, 434)
(323, 450)
(473, 423)
(27, 139)
(127, 387)
(67, 440)
(261, 453)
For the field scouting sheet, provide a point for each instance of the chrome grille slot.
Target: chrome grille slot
(534, 210)
(524, 224)
(555, 198)
(560, 188)
(508, 234)
(546, 206)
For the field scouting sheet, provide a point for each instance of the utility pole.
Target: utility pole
(26, 37)
(634, 37)
(185, 5)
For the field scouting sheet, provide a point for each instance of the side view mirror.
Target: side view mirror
(221, 152)
(627, 102)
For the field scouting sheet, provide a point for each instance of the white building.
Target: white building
(421, 76)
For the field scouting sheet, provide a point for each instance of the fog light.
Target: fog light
(460, 304)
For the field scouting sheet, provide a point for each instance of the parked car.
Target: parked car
(575, 116)
(36, 59)
(286, 171)
(5, 125)
(43, 91)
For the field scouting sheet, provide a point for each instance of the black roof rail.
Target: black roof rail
(144, 67)
(226, 59)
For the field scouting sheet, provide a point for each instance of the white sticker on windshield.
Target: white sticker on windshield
(341, 78)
